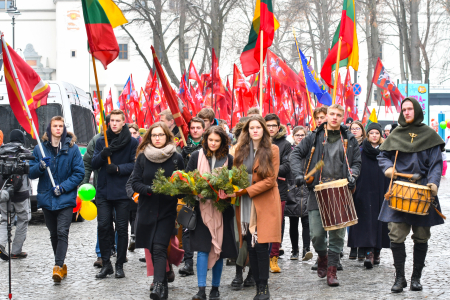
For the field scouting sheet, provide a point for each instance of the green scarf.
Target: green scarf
(413, 137)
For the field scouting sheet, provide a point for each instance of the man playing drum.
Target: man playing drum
(327, 143)
(419, 152)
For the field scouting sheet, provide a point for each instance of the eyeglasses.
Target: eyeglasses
(356, 129)
(272, 126)
(299, 135)
(159, 135)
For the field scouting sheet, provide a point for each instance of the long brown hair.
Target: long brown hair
(224, 141)
(264, 153)
(147, 139)
(363, 131)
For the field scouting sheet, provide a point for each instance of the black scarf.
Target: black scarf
(369, 150)
(413, 137)
(117, 142)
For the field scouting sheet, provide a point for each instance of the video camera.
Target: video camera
(15, 165)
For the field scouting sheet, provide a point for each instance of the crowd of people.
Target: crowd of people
(286, 167)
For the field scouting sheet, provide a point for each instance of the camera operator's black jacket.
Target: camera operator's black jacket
(22, 190)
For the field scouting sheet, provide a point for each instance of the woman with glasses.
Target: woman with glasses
(259, 213)
(213, 237)
(357, 129)
(296, 209)
(156, 213)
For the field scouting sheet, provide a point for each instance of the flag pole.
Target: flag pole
(261, 60)
(336, 73)
(25, 104)
(304, 77)
(100, 101)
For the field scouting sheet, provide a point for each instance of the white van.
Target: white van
(65, 100)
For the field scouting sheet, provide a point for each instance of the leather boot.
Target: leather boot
(170, 275)
(322, 263)
(119, 271)
(307, 254)
(64, 271)
(214, 293)
(331, 276)
(57, 274)
(201, 294)
(249, 281)
(353, 253)
(257, 292)
(368, 263)
(315, 265)
(399, 254)
(158, 291)
(106, 270)
(187, 270)
(166, 288)
(274, 268)
(420, 253)
(264, 293)
(361, 255)
(376, 257)
(236, 284)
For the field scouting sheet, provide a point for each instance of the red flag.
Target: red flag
(340, 91)
(194, 75)
(149, 83)
(108, 103)
(279, 71)
(382, 79)
(96, 104)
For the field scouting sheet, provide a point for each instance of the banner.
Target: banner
(418, 91)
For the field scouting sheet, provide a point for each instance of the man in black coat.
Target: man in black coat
(111, 194)
(327, 138)
(278, 134)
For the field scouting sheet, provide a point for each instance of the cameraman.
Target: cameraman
(20, 200)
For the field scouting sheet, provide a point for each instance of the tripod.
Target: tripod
(8, 184)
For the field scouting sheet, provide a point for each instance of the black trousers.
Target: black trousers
(159, 259)
(58, 223)
(132, 220)
(293, 232)
(259, 260)
(188, 254)
(104, 216)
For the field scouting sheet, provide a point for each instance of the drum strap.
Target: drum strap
(344, 144)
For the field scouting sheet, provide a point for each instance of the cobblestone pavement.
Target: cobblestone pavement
(32, 276)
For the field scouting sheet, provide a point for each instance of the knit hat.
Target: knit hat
(387, 127)
(374, 126)
(349, 120)
(393, 127)
(16, 136)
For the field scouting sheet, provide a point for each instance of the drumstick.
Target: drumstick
(316, 168)
(388, 194)
(414, 177)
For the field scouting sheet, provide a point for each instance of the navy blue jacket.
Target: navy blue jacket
(112, 187)
(68, 171)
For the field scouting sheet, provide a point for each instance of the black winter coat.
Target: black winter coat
(112, 187)
(200, 238)
(368, 198)
(187, 150)
(284, 172)
(156, 213)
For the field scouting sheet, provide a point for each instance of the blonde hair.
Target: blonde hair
(336, 106)
(118, 112)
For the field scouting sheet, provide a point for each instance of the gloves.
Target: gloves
(434, 189)
(149, 191)
(299, 181)
(105, 153)
(45, 161)
(351, 182)
(58, 190)
(112, 169)
(389, 171)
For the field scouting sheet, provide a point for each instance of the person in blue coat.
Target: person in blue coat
(419, 150)
(64, 159)
(111, 193)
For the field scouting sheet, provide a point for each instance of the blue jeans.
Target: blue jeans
(202, 269)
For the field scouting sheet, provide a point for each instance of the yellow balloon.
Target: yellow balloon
(88, 210)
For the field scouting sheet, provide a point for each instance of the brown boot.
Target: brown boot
(322, 263)
(368, 263)
(64, 271)
(57, 274)
(331, 276)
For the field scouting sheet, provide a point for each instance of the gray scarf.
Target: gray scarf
(246, 201)
(159, 155)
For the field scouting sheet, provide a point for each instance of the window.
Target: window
(73, 53)
(186, 51)
(123, 51)
(5, 4)
(83, 123)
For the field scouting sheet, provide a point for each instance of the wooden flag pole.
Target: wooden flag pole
(261, 82)
(304, 77)
(336, 73)
(100, 101)
(25, 104)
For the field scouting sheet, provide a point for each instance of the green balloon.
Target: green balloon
(443, 125)
(86, 192)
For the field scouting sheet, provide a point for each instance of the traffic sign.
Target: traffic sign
(357, 89)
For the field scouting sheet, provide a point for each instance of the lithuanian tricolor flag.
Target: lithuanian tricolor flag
(349, 49)
(372, 119)
(263, 20)
(100, 17)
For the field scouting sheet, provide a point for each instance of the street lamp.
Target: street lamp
(12, 11)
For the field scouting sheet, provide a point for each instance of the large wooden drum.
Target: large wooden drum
(336, 206)
(410, 198)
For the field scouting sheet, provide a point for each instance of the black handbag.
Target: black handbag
(187, 217)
